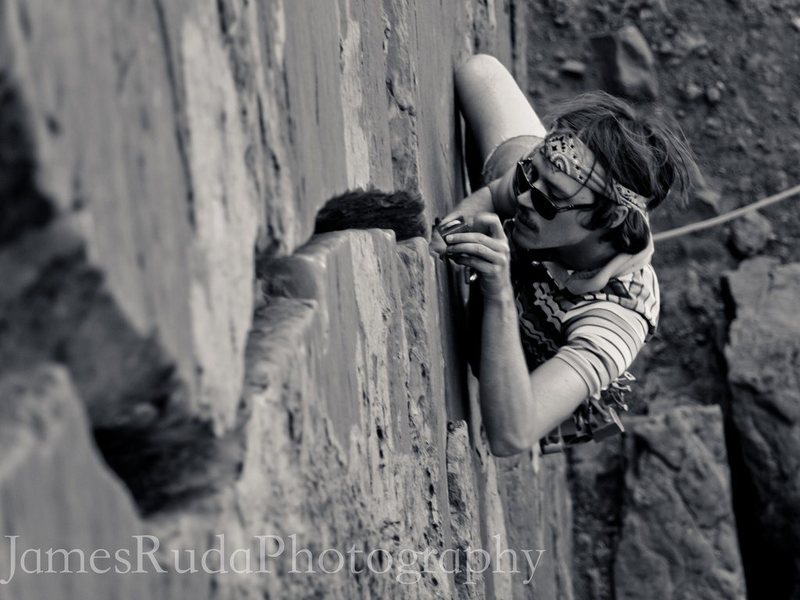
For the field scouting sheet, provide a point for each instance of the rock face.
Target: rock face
(166, 311)
(655, 513)
(762, 354)
(678, 536)
(55, 492)
(627, 63)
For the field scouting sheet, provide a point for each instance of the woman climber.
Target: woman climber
(559, 238)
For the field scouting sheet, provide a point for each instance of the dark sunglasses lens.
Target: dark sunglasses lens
(520, 183)
(542, 205)
(525, 176)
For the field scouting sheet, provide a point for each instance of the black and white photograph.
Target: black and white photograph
(377, 299)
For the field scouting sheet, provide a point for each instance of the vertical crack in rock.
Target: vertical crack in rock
(22, 206)
(401, 85)
(464, 516)
(763, 359)
(181, 127)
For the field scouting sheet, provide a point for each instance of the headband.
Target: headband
(571, 156)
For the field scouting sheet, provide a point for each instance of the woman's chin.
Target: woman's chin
(524, 236)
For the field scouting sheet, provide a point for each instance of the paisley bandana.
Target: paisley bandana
(571, 156)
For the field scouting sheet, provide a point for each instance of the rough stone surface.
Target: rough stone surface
(463, 495)
(678, 536)
(762, 355)
(627, 63)
(55, 492)
(161, 168)
(750, 234)
(534, 490)
(596, 479)
(655, 515)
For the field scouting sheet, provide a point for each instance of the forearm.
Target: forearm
(507, 404)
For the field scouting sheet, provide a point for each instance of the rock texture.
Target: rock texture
(723, 69)
(57, 493)
(627, 63)
(534, 490)
(661, 522)
(750, 234)
(181, 358)
(762, 354)
(678, 536)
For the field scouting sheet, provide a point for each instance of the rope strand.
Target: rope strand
(730, 215)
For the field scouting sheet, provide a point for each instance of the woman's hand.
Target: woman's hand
(485, 250)
(437, 246)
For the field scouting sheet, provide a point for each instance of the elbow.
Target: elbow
(477, 68)
(474, 73)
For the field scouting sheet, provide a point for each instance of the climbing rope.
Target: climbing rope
(719, 219)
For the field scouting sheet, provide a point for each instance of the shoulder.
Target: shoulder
(633, 298)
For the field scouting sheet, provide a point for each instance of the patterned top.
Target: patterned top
(597, 332)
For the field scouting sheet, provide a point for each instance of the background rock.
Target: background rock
(750, 234)
(684, 364)
(655, 516)
(762, 354)
(627, 63)
(678, 537)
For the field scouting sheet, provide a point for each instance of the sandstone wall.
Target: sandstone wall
(165, 314)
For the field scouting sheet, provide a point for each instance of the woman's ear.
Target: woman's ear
(619, 213)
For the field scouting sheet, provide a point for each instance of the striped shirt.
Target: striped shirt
(596, 329)
(596, 322)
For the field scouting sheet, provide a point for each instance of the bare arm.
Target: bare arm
(507, 404)
(518, 407)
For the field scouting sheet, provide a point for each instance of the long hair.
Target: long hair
(646, 153)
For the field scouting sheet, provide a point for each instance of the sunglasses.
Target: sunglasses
(525, 176)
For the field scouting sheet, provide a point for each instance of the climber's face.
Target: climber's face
(552, 208)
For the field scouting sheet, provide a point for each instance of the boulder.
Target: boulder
(763, 355)
(750, 234)
(627, 63)
(678, 536)
(653, 513)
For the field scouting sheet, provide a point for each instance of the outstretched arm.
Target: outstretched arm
(518, 407)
